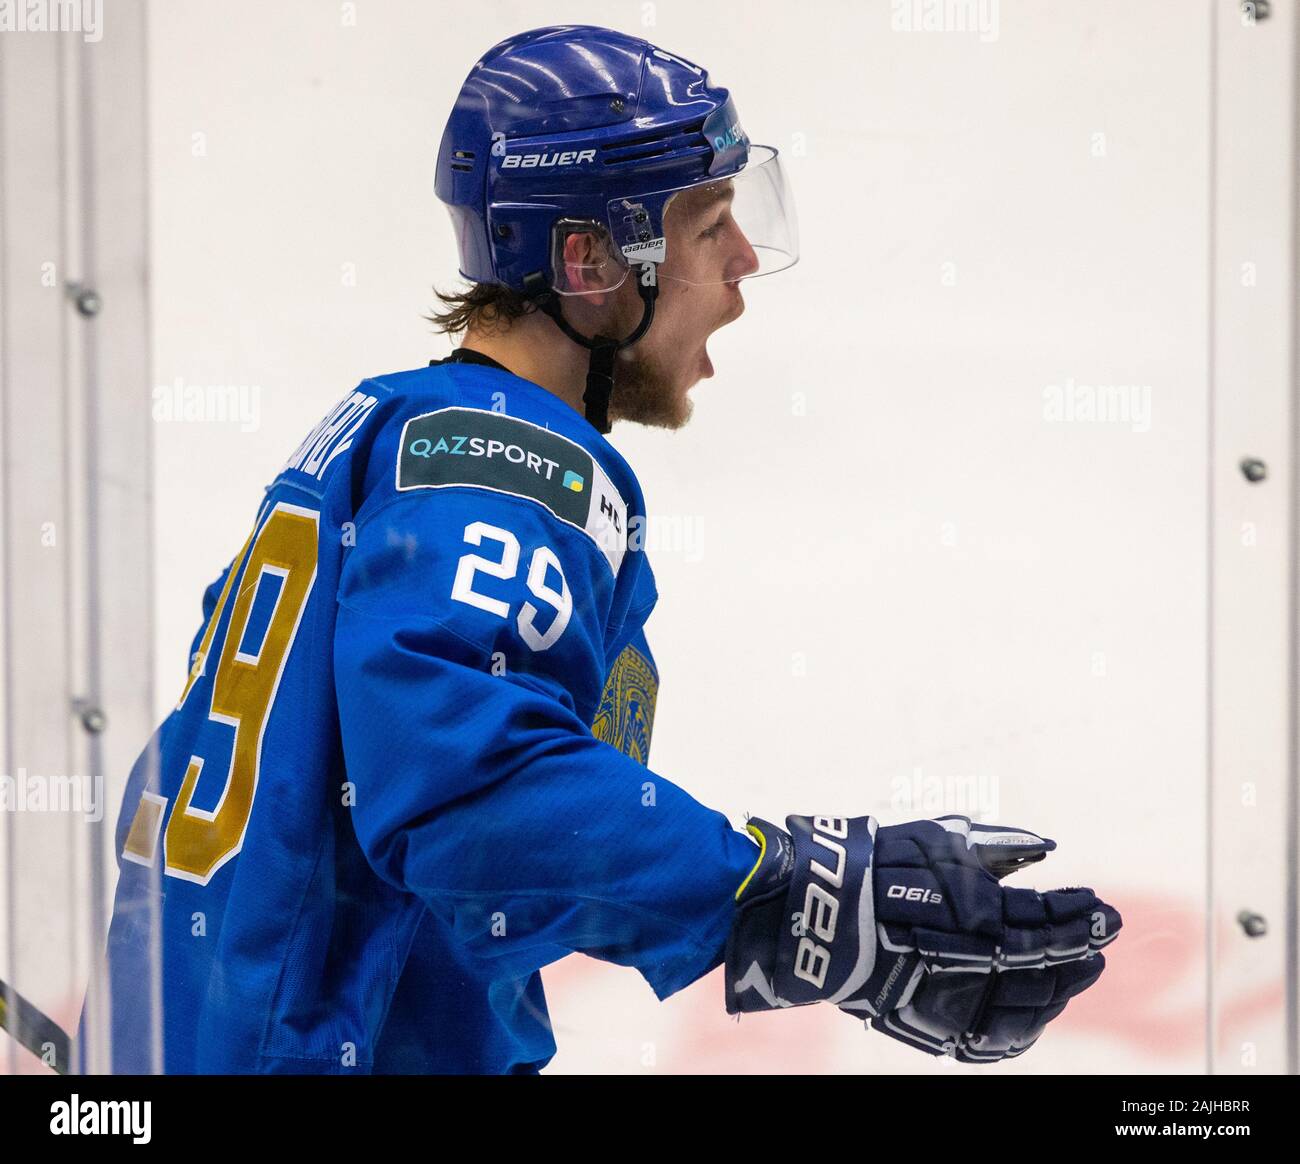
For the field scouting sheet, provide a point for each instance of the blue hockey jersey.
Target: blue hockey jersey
(408, 767)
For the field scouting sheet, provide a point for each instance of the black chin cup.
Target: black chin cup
(600, 370)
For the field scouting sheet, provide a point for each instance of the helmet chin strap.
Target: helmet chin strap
(600, 371)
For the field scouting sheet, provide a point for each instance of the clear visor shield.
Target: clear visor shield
(718, 231)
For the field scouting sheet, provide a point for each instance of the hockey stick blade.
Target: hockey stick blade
(34, 1029)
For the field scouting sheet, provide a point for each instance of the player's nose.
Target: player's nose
(744, 260)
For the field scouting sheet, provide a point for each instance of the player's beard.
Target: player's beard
(645, 393)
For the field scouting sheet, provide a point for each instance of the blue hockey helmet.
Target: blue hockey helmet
(579, 130)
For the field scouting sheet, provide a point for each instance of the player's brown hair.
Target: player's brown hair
(485, 305)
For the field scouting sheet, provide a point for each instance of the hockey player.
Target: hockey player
(408, 766)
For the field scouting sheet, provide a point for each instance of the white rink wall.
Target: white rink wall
(893, 580)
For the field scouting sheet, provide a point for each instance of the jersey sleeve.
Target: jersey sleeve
(470, 653)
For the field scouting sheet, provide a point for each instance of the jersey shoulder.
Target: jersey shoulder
(467, 426)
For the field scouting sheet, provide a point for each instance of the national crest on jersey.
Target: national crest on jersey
(627, 705)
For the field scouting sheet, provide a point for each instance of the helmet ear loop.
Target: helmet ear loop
(600, 371)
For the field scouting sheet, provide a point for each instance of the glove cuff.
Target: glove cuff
(804, 929)
(760, 906)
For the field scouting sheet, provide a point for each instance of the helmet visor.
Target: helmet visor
(721, 230)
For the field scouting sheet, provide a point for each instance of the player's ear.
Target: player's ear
(587, 266)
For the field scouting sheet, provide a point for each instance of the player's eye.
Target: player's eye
(712, 232)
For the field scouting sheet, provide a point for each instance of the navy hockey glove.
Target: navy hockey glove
(840, 910)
